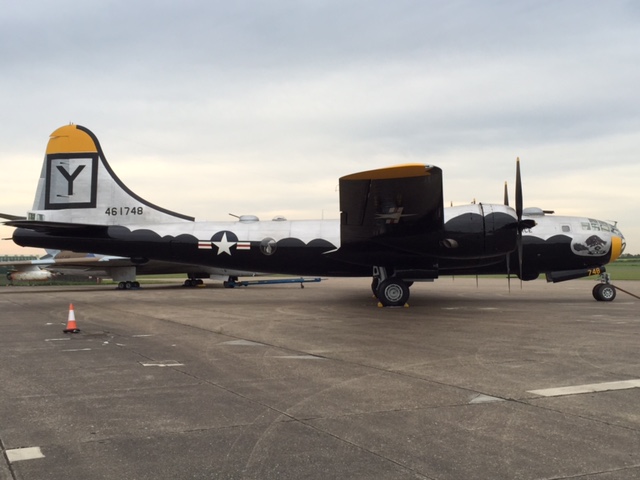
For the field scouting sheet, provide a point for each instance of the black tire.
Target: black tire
(393, 292)
(603, 292)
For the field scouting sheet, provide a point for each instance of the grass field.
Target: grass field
(624, 269)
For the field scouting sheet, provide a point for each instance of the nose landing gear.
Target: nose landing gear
(604, 291)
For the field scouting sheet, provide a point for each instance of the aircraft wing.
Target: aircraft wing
(86, 261)
(11, 217)
(391, 213)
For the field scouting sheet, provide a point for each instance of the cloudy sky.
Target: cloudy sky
(211, 107)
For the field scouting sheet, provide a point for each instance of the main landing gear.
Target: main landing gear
(390, 291)
(192, 282)
(604, 291)
(128, 285)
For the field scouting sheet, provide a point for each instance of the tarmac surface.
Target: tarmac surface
(279, 382)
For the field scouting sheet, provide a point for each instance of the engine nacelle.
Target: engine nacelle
(479, 231)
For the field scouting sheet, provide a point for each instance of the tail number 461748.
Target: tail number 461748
(123, 211)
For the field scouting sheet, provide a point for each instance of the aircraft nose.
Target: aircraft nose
(618, 245)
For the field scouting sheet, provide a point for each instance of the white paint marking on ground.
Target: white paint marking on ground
(19, 454)
(246, 343)
(162, 363)
(56, 339)
(588, 388)
(300, 357)
(147, 335)
(485, 399)
(77, 350)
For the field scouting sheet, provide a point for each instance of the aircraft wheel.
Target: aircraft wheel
(128, 285)
(135, 284)
(393, 292)
(603, 292)
(121, 286)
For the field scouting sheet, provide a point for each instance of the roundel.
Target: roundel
(225, 234)
(223, 241)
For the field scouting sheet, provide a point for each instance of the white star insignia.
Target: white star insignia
(224, 245)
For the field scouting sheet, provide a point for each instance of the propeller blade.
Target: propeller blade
(508, 259)
(520, 256)
(518, 191)
(519, 209)
(509, 272)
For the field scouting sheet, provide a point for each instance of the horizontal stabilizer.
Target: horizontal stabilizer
(11, 217)
(55, 227)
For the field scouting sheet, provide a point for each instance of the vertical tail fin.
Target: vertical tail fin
(77, 185)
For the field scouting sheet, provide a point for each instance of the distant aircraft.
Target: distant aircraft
(123, 270)
(392, 226)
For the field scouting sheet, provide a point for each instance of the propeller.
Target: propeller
(521, 224)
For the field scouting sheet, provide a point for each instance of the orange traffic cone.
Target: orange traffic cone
(71, 322)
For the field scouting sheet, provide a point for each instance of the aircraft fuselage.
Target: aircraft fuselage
(311, 247)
